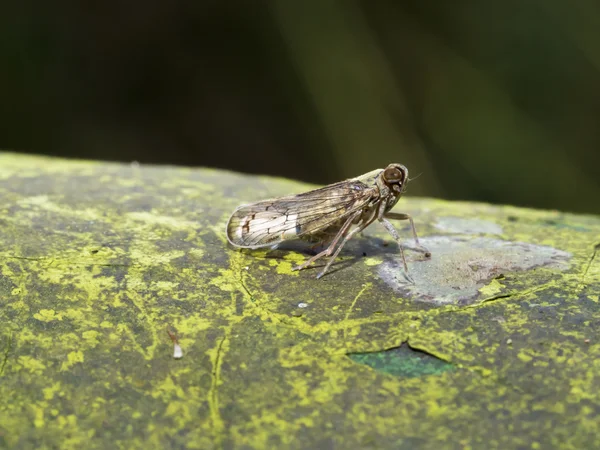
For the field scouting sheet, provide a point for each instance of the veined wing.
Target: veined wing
(271, 221)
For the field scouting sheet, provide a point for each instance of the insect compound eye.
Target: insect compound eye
(393, 175)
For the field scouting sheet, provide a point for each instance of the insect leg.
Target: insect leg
(323, 244)
(401, 216)
(329, 250)
(346, 239)
(390, 228)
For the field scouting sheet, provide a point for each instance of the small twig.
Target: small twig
(177, 351)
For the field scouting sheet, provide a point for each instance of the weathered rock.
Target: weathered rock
(98, 260)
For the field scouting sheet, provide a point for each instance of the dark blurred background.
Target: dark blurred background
(491, 101)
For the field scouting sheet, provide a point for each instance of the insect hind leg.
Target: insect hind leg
(360, 228)
(339, 249)
(329, 250)
(321, 245)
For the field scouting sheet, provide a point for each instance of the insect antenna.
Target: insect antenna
(414, 178)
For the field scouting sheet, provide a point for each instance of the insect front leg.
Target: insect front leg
(390, 228)
(329, 250)
(401, 216)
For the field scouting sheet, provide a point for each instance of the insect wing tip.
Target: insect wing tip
(233, 229)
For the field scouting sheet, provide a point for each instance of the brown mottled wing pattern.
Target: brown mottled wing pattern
(271, 221)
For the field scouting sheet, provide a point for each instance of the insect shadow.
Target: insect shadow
(354, 251)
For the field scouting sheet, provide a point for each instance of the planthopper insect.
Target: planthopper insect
(326, 215)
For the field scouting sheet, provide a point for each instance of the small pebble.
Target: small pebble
(509, 341)
(587, 341)
(177, 352)
(302, 305)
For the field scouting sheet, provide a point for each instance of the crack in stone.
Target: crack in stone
(581, 284)
(481, 371)
(425, 351)
(54, 262)
(5, 359)
(498, 297)
(269, 314)
(486, 301)
(365, 287)
(138, 301)
(213, 397)
(245, 288)
(24, 258)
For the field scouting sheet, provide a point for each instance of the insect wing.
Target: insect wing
(271, 221)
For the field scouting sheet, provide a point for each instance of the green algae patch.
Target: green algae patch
(402, 361)
(99, 260)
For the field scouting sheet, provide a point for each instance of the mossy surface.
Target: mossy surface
(98, 260)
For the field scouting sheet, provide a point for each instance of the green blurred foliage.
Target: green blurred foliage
(490, 101)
